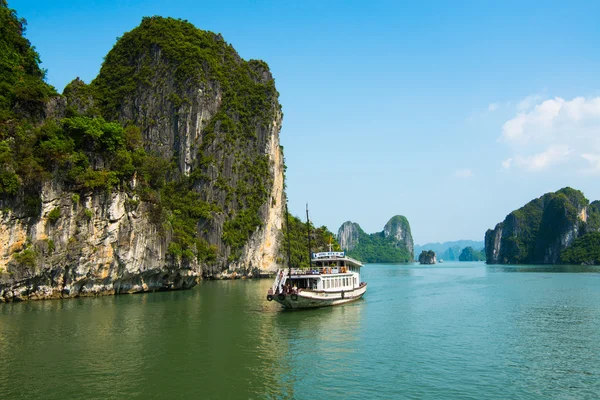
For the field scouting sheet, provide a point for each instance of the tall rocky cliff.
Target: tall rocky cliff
(540, 231)
(164, 169)
(393, 244)
(348, 235)
(398, 229)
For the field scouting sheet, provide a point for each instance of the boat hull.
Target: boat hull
(315, 299)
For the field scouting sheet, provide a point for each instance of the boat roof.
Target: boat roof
(334, 256)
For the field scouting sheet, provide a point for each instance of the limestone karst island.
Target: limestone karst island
(164, 169)
(424, 223)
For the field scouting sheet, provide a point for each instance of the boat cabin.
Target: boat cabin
(331, 271)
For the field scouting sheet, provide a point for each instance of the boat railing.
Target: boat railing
(319, 270)
(282, 275)
(305, 271)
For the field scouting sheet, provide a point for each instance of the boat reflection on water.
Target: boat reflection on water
(318, 340)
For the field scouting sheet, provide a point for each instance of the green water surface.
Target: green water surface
(455, 330)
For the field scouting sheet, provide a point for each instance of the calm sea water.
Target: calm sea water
(456, 330)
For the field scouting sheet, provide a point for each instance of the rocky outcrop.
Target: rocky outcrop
(393, 244)
(348, 235)
(96, 244)
(538, 232)
(427, 257)
(398, 228)
(217, 123)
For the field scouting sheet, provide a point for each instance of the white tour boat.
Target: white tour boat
(332, 279)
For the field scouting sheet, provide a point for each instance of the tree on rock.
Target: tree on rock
(427, 257)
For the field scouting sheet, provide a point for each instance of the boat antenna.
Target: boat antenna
(308, 229)
(289, 251)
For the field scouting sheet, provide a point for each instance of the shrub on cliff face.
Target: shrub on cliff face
(584, 250)
(54, 215)
(26, 258)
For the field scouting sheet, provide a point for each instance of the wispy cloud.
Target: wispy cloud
(463, 173)
(552, 132)
(493, 107)
(528, 102)
(540, 161)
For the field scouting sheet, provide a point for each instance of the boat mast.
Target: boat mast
(308, 229)
(289, 251)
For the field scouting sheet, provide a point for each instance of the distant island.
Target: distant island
(470, 254)
(393, 244)
(451, 251)
(427, 257)
(560, 227)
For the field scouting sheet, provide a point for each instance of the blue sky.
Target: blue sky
(450, 113)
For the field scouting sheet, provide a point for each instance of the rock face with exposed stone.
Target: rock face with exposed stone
(213, 131)
(427, 257)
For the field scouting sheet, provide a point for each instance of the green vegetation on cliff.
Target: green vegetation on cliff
(377, 248)
(203, 59)
(470, 254)
(23, 95)
(23, 90)
(298, 233)
(99, 143)
(584, 250)
(538, 231)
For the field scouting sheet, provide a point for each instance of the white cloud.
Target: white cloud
(493, 107)
(552, 132)
(528, 102)
(537, 162)
(463, 173)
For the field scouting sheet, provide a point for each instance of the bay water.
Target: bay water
(449, 331)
